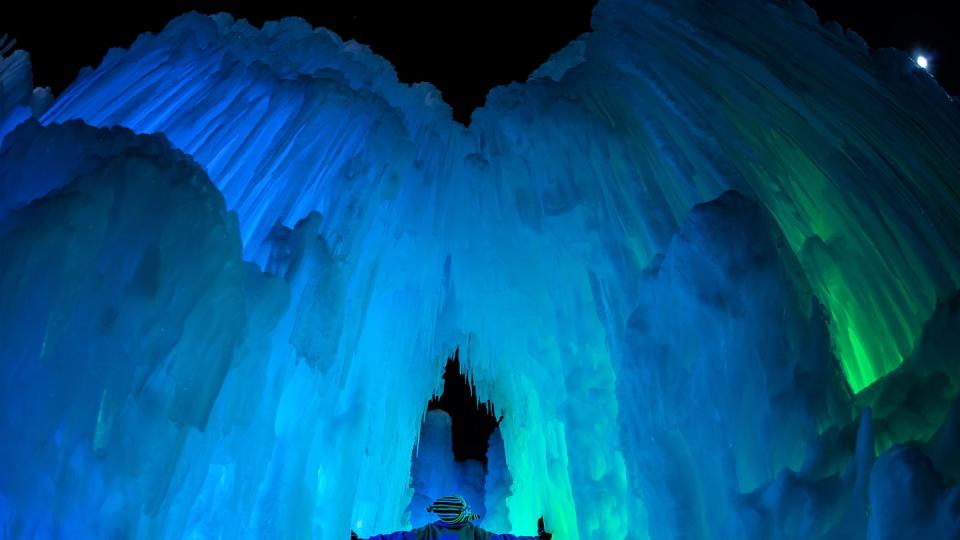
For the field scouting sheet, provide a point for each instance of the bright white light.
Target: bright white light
(922, 61)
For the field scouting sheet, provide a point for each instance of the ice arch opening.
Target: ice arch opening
(473, 422)
(459, 451)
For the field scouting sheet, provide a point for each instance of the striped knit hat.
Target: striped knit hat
(452, 509)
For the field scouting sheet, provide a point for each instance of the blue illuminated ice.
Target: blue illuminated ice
(704, 262)
(19, 100)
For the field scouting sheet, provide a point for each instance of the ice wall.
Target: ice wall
(496, 486)
(156, 385)
(679, 105)
(670, 259)
(118, 287)
(714, 404)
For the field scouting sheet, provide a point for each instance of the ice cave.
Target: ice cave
(701, 286)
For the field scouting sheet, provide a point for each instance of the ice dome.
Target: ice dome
(705, 261)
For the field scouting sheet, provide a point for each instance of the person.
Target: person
(454, 524)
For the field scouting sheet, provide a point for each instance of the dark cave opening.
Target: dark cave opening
(472, 422)
(459, 451)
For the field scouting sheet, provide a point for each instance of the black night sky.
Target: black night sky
(463, 47)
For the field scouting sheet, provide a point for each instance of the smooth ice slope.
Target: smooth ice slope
(670, 259)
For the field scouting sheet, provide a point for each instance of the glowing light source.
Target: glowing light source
(922, 61)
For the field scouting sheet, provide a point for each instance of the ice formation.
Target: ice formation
(704, 261)
(18, 99)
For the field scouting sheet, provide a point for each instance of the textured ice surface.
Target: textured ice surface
(851, 150)
(684, 260)
(19, 100)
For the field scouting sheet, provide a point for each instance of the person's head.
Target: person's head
(452, 509)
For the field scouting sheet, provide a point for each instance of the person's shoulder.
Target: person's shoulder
(478, 533)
